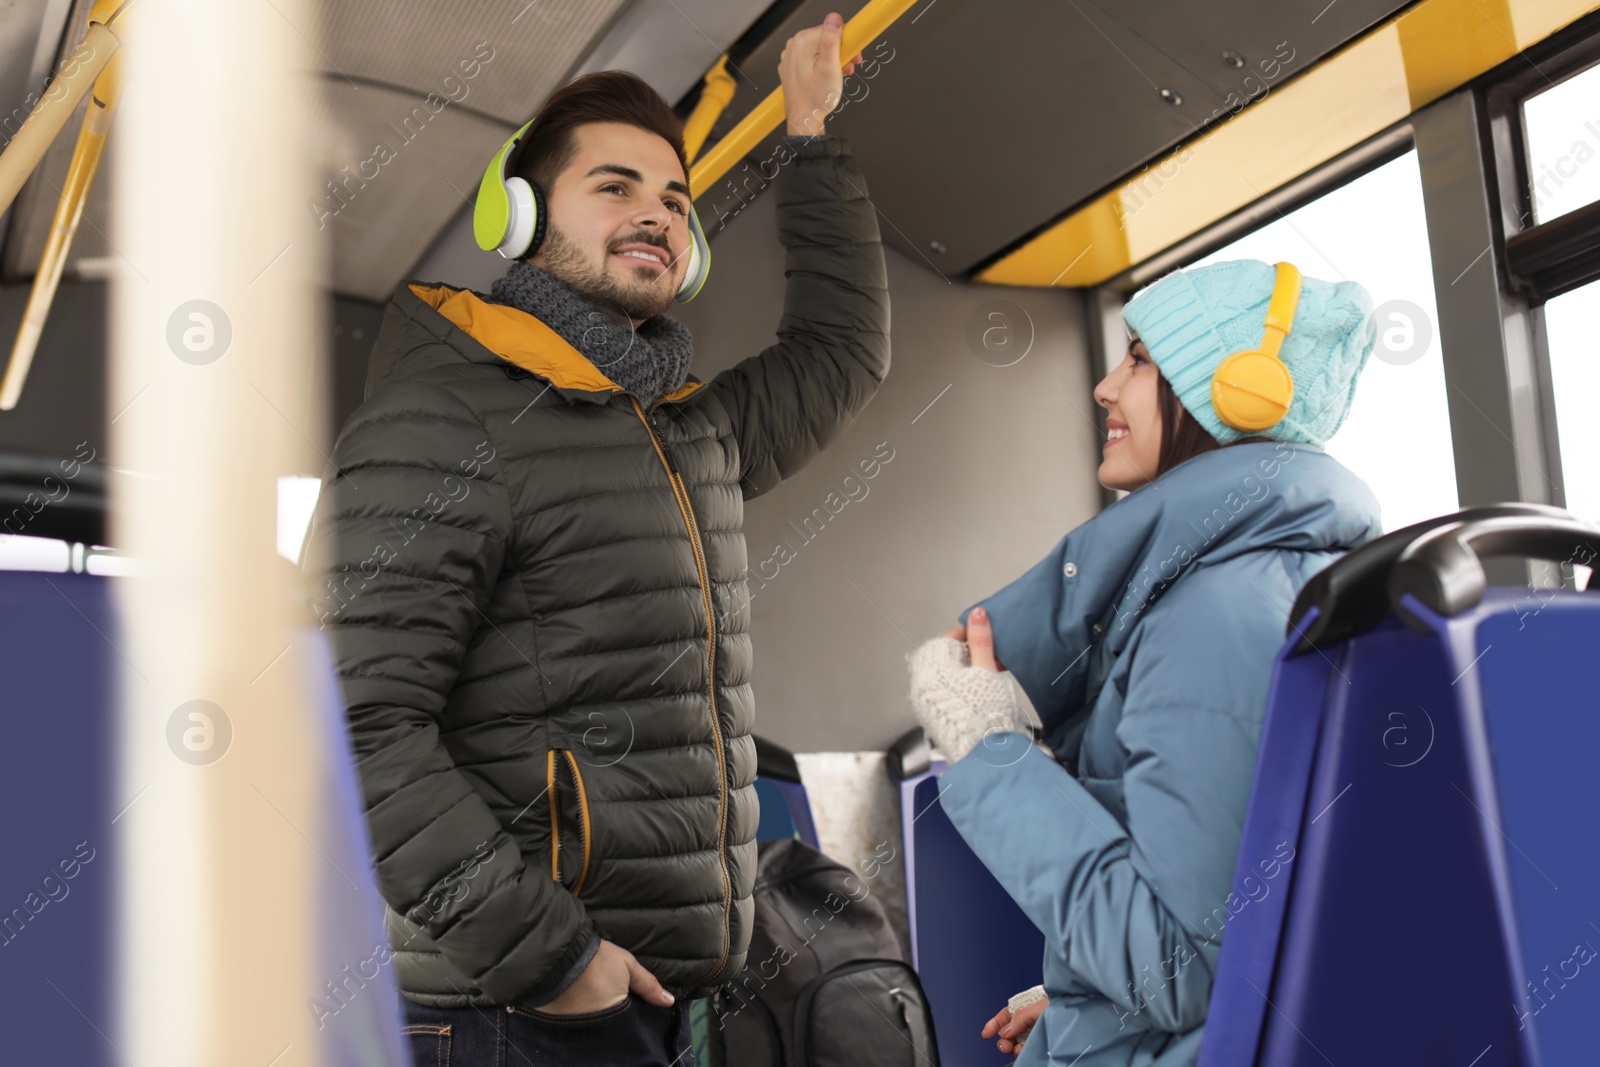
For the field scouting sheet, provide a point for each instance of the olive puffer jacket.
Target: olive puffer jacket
(536, 593)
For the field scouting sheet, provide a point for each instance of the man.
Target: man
(537, 584)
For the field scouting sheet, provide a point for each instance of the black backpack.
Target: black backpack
(825, 983)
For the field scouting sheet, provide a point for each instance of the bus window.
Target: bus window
(1571, 322)
(1563, 131)
(1372, 230)
(297, 499)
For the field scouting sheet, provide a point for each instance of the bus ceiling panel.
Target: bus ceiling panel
(500, 59)
(1338, 102)
(400, 173)
(974, 122)
(1241, 46)
(671, 43)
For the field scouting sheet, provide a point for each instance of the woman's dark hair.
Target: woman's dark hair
(604, 96)
(1182, 436)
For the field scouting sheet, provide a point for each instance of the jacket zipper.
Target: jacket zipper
(681, 492)
(554, 794)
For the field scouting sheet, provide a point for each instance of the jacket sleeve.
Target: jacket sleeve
(413, 531)
(1137, 912)
(787, 403)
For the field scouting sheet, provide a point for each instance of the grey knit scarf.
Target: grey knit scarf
(648, 362)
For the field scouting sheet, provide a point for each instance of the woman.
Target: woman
(1145, 642)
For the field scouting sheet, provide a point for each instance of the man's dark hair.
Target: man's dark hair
(604, 96)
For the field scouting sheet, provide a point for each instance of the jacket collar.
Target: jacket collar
(497, 332)
(1100, 579)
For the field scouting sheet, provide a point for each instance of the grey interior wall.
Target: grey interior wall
(64, 400)
(65, 403)
(354, 331)
(990, 466)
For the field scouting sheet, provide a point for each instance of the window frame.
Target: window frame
(1563, 253)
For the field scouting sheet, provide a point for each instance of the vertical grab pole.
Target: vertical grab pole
(212, 346)
(715, 97)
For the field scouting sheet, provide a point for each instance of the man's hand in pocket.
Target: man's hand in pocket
(606, 982)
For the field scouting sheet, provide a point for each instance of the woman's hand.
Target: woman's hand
(958, 701)
(980, 640)
(1013, 1027)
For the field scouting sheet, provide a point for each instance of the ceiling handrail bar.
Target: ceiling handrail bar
(86, 155)
(40, 129)
(867, 26)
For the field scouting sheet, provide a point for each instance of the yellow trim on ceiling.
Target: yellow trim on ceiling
(1365, 87)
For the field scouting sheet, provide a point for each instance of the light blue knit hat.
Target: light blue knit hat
(1192, 320)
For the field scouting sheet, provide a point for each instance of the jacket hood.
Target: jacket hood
(428, 326)
(1215, 507)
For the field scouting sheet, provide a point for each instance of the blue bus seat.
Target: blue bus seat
(785, 811)
(1415, 882)
(59, 645)
(785, 805)
(971, 946)
(58, 639)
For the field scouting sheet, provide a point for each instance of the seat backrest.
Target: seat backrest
(785, 811)
(59, 654)
(1421, 792)
(971, 946)
(1541, 715)
(59, 661)
(785, 804)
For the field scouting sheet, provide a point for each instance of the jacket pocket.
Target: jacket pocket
(571, 834)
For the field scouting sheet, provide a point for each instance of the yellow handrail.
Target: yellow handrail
(40, 129)
(867, 25)
(63, 228)
(714, 100)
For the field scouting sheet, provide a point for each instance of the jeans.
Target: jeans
(635, 1033)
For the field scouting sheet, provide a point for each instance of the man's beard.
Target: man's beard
(564, 261)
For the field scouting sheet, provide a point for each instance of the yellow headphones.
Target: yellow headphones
(510, 217)
(1252, 389)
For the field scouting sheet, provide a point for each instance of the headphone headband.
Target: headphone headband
(1252, 389)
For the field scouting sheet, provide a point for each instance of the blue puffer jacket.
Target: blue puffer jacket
(1146, 641)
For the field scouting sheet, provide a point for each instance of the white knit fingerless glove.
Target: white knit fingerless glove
(957, 703)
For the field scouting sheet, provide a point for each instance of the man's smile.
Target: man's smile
(642, 253)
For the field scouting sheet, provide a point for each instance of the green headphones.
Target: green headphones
(510, 215)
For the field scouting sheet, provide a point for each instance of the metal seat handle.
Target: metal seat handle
(1443, 569)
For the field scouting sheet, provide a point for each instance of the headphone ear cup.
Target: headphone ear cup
(694, 276)
(525, 220)
(1252, 390)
